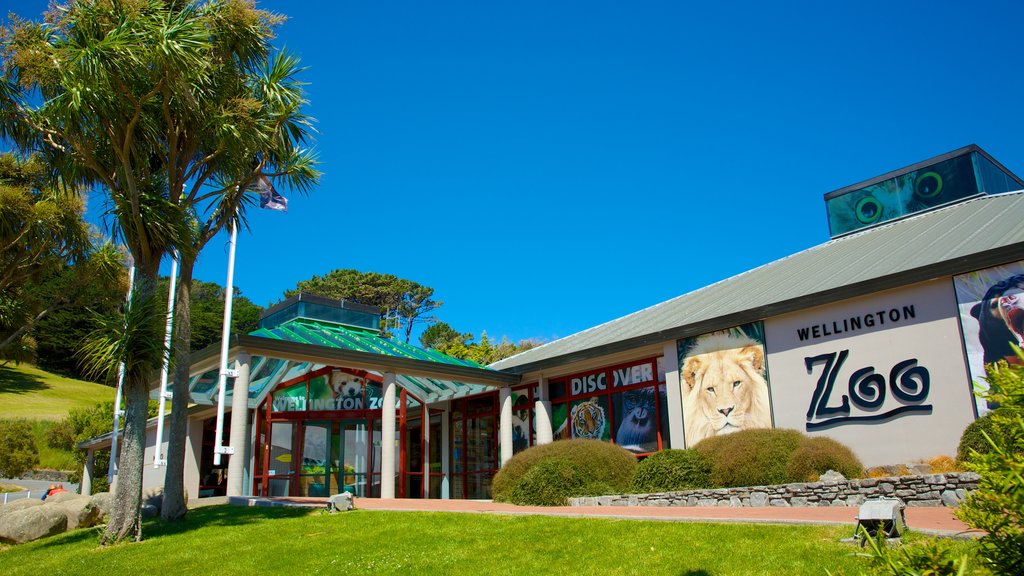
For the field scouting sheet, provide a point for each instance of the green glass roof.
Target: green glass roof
(266, 373)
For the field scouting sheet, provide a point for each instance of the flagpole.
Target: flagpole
(158, 460)
(229, 290)
(112, 466)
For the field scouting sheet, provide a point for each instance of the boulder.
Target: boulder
(19, 505)
(80, 512)
(832, 476)
(104, 501)
(32, 523)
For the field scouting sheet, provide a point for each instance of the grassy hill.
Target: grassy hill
(28, 393)
(33, 394)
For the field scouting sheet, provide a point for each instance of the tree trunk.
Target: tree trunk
(175, 504)
(126, 515)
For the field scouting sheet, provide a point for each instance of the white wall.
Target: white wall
(935, 420)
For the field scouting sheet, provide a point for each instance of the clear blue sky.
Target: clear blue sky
(547, 166)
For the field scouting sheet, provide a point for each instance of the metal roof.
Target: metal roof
(974, 234)
(298, 347)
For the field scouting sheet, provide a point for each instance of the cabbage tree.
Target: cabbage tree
(174, 110)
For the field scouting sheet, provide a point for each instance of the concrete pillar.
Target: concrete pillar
(239, 426)
(387, 438)
(542, 413)
(505, 426)
(674, 397)
(90, 458)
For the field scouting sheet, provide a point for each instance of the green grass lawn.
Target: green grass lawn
(234, 540)
(33, 394)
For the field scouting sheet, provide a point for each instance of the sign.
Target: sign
(883, 374)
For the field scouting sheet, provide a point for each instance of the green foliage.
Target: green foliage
(403, 302)
(18, 453)
(207, 311)
(819, 454)
(766, 456)
(671, 471)
(604, 464)
(975, 436)
(931, 557)
(483, 352)
(997, 506)
(441, 335)
(752, 457)
(553, 481)
(48, 261)
(82, 424)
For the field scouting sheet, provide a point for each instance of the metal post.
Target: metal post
(112, 467)
(158, 459)
(229, 290)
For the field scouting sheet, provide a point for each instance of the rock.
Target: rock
(104, 501)
(32, 523)
(950, 499)
(758, 499)
(80, 512)
(832, 476)
(19, 505)
(340, 502)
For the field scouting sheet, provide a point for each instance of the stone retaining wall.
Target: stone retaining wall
(927, 490)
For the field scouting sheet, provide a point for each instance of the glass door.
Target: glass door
(352, 439)
(318, 458)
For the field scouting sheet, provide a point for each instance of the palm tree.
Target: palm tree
(175, 109)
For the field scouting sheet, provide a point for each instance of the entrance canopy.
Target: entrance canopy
(302, 345)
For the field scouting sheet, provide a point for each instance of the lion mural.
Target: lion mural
(723, 387)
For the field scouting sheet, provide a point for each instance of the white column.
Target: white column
(505, 426)
(675, 397)
(387, 438)
(426, 452)
(542, 412)
(239, 426)
(90, 457)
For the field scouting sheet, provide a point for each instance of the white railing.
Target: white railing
(12, 496)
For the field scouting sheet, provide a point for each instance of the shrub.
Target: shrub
(973, 438)
(606, 464)
(943, 464)
(997, 506)
(672, 470)
(553, 481)
(752, 457)
(818, 455)
(18, 453)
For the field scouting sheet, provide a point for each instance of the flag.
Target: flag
(269, 198)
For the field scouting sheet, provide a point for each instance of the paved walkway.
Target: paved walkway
(939, 521)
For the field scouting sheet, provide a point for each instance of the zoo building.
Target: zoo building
(873, 338)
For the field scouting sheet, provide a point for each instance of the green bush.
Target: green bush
(752, 457)
(18, 453)
(553, 481)
(997, 506)
(973, 438)
(766, 456)
(605, 464)
(818, 455)
(671, 471)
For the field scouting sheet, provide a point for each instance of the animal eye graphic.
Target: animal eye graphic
(711, 389)
(736, 384)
